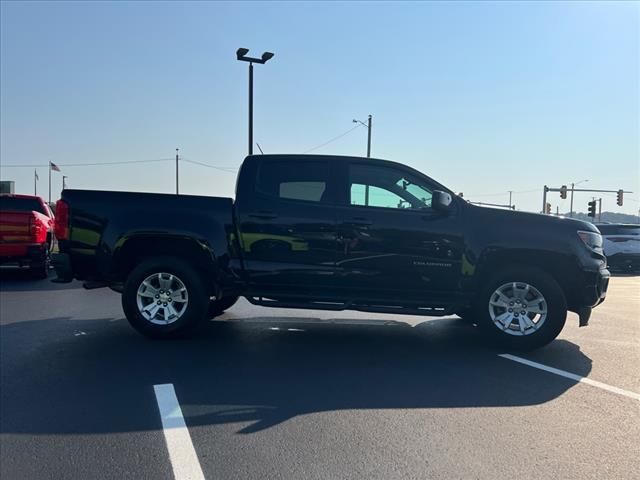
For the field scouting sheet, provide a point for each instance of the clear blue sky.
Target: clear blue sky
(484, 97)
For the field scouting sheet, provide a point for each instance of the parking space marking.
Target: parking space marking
(572, 376)
(184, 460)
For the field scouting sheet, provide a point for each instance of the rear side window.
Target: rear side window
(21, 204)
(306, 181)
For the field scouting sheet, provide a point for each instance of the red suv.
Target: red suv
(26, 233)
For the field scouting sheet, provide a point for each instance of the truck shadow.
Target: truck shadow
(67, 376)
(21, 280)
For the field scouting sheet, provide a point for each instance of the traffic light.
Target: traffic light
(547, 208)
(620, 197)
(592, 209)
(563, 192)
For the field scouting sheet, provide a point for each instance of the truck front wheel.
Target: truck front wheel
(164, 297)
(521, 308)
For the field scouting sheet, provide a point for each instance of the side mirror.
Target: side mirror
(441, 201)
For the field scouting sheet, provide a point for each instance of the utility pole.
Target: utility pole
(35, 182)
(369, 138)
(368, 125)
(557, 210)
(177, 192)
(64, 182)
(510, 193)
(544, 198)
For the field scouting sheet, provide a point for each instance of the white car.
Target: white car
(621, 246)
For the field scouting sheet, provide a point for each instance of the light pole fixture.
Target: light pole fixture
(241, 54)
(368, 125)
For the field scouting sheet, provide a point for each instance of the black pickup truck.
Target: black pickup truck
(332, 233)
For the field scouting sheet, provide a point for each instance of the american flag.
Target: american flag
(54, 167)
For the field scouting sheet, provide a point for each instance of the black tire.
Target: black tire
(195, 311)
(40, 270)
(218, 307)
(556, 309)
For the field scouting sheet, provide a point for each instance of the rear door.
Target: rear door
(287, 226)
(394, 245)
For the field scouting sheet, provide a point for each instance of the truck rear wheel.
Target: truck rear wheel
(164, 297)
(521, 309)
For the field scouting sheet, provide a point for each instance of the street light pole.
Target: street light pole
(600, 209)
(177, 192)
(571, 206)
(572, 187)
(250, 108)
(241, 54)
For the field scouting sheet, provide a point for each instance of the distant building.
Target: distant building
(7, 186)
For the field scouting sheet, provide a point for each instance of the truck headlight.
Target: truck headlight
(592, 240)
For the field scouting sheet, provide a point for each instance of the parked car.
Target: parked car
(26, 233)
(332, 233)
(621, 246)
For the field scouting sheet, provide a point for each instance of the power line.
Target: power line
(89, 164)
(333, 139)
(224, 169)
(504, 193)
(124, 162)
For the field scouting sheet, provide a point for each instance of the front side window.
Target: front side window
(387, 187)
(287, 179)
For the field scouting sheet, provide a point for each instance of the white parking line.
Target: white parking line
(572, 376)
(184, 460)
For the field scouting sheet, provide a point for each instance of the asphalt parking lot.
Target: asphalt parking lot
(299, 394)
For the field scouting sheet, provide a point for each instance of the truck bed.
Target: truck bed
(102, 222)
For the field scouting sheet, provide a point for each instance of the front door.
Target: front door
(393, 244)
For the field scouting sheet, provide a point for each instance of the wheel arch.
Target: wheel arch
(141, 247)
(559, 266)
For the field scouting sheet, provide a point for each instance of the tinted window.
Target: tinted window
(21, 204)
(387, 187)
(295, 180)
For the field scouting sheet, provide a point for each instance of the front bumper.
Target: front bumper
(595, 290)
